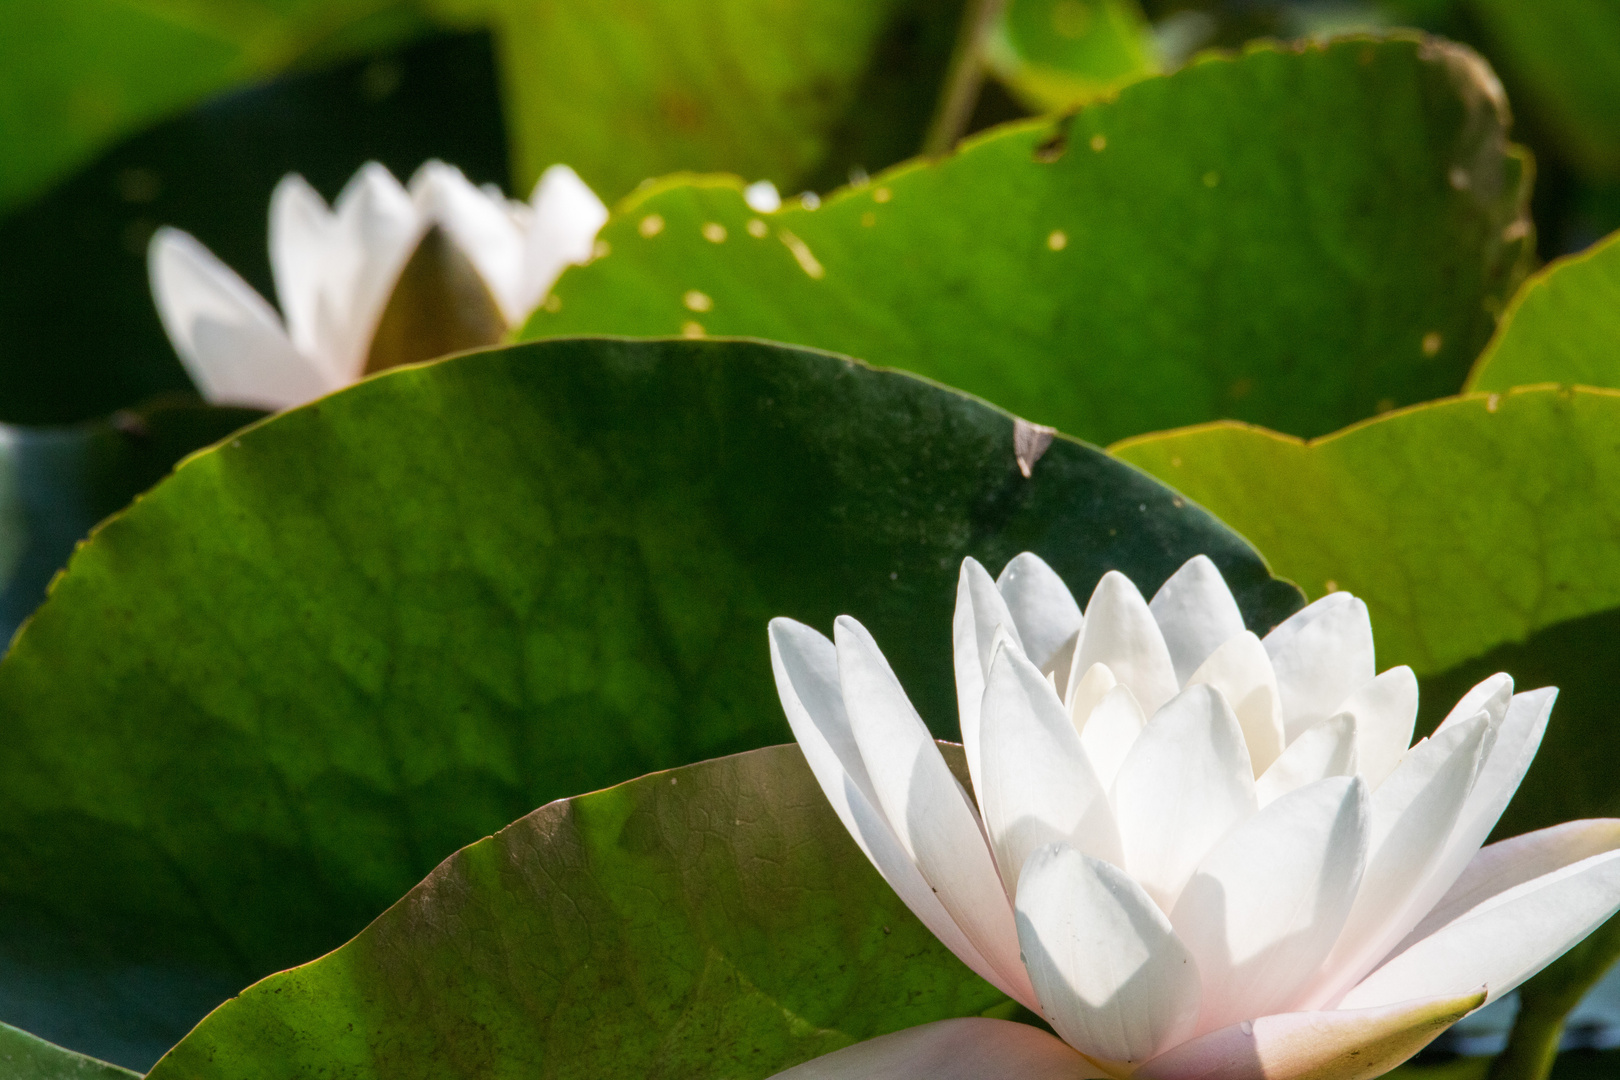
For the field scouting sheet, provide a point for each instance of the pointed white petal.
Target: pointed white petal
(1087, 691)
(931, 814)
(1267, 904)
(1385, 709)
(1337, 1045)
(1110, 732)
(1328, 749)
(1518, 737)
(1044, 610)
(1196, 614)
(1119, 631)
(1183, 785)
(567, 216)
(1320, 655)
(980, 612)
(378, 230)
(305, 253)
(1413, 813)
(1039, 789)
(482, 227)
(1505, 940)
(230, 340)
(1509, 863)
(1490, 696)
(1112, 977)
(1241, 670)
(971, 1048)
(806, 667)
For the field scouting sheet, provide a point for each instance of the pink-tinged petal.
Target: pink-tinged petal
(1120, 631)
(1047, 617)
(482, 226)
(1196, 614)
(980, 613)
(1386, 711)
(1328, 749)
(1509, 863)
(1241, 671)
(1183, 785)
(230, 340)
(1110, 731)
(806, 667)
(1267, 904)
(971, 1048)
(1112, 977)
(931, 814)
(1413, 813)
(1039, 788)
(1320, 655)
(1503, 941)
(1336, 1045)
(566, 217)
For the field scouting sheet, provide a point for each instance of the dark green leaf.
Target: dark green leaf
(1563, 326)
(1288, 237)
(716, 920)
(24, 1057)
(271, 696)
(57, 483)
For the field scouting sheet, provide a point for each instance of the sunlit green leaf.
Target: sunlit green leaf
(1056, 54)
(24, 1057)
(270, 697)
(1294, 238)
(1563, 326)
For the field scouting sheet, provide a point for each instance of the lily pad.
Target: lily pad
(25, 1057)
(1292, 237)
(1056, 54)
(715, 920)
(1563, 326)
(273, 694)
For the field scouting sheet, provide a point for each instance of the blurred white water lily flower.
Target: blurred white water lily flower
(1197, 853)
(481, 264)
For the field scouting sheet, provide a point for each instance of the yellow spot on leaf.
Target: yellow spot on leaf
(1099, 142)
(553, 303)
(651, 225)
(601, 249)
(1330, 585)
(1492, 402)
(882, 195)
(1058, 240)
(691, 330)
(806, 259)
(1432, 342)
(869, 219)
(714, 232)
(697, 301)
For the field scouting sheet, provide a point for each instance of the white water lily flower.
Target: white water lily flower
(1197, 853)
(336, 268)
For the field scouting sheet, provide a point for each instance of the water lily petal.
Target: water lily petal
(1039, 788)
(1512, 862)
(1110, 731)
(1183, 785)
(1320, 655)
(229, 338)
(1241, 670)
(566, 217)
(1413, 814)
(932, 816)
(980, 612)
(1490, 696)
(1518, 737)
(1337, 1045)
(1196, 614)
(483, 228)
(1505, 940)
(305, 243)
(1047, 617)
(1268, 902)
(806, 667)
(1120, 631)
(378, 229)
(1112, 977)
(1386, 711)
(1086, 692)
(1328, 749)
(970, 1048)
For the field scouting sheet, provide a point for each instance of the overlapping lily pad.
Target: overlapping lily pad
(270, 697)
(1563, 326)
(1291, 237)
(24, 1057)
(715, 920)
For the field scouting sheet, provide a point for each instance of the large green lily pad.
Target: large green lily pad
(270, 697)
(1563, 326)
(1291, 237)
(715, 920)
(25, 1057)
